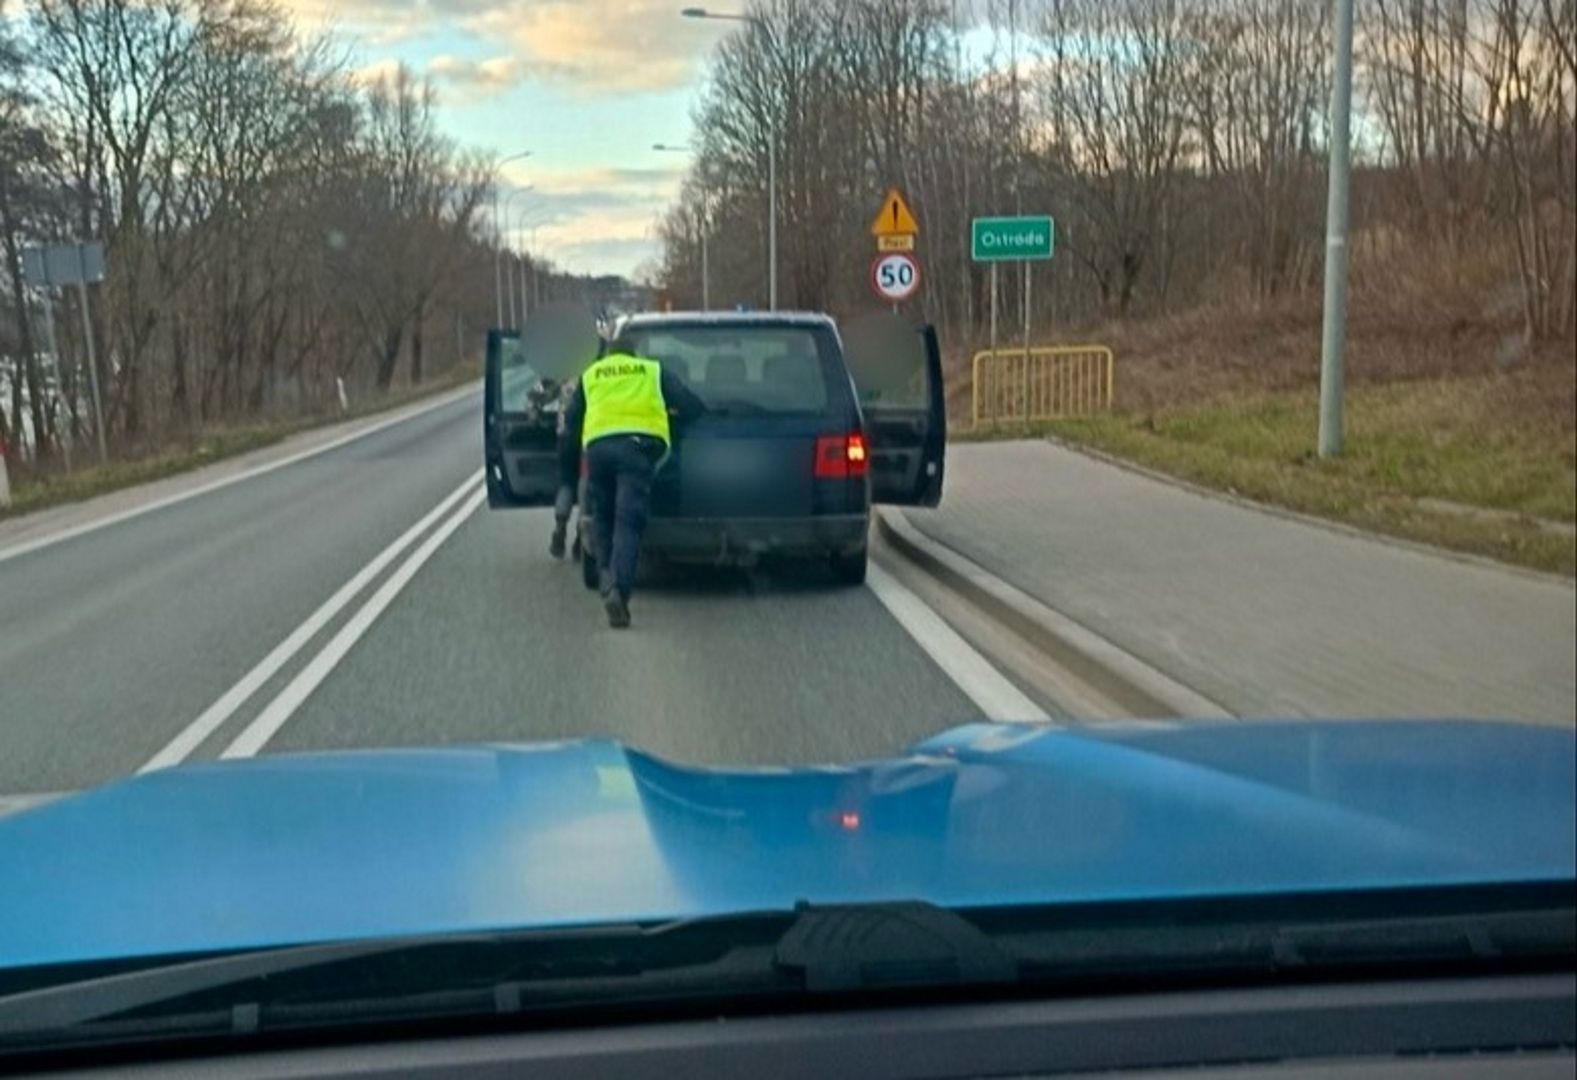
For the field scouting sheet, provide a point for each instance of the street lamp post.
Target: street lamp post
(706, 228)
(509, 288)
(536, 273)
(520, 261)
(1333, 334)
(772, 148)
(528, 221)
(509, 271)
(498, 254)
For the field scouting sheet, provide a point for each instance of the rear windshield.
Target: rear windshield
(747, 369)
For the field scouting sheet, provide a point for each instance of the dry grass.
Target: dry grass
(1439, 407)
(35, 492)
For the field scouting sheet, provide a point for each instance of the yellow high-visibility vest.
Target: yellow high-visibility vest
(624, 396)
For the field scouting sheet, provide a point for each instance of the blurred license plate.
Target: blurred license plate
(726, 464)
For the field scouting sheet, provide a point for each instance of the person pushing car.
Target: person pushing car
(620, 415)
(569, 469)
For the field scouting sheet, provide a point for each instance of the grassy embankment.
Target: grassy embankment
(1456, 435)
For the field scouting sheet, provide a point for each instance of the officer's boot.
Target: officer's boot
(556, 543)
(617, 607)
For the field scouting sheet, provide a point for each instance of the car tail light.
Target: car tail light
(841, 457)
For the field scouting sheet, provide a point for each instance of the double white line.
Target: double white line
(254, 736)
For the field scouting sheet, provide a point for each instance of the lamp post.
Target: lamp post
(528, 221)
(509, 271)
(772, 147)
(1333, 333)
(536, 274)
(498, 254)
(706, 228)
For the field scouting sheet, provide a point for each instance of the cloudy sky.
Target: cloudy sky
(586, 85)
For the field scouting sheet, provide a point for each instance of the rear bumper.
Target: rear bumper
(743, 540)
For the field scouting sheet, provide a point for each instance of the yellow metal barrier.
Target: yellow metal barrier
(1012, 386)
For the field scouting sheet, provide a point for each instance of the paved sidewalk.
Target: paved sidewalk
(1267, 615)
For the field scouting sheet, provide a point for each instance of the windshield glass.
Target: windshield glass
(763, 369)
(477, 467)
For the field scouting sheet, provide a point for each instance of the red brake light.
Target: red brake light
(859, 461)
(841, 457)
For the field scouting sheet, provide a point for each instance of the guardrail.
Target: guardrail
(1050, 383)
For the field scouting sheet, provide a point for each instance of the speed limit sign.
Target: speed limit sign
(895, 276)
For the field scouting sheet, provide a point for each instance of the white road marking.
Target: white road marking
(204, 489)
(221, 710)
(983, 684)
(256, 734)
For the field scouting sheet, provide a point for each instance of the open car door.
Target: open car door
(897, 370)
(521, 400)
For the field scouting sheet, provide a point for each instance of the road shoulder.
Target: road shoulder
(29, 531)
(1289, 514)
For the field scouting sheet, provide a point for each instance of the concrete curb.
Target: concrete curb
(1341, 528)
(1115, 672)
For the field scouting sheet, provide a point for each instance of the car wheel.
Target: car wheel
(849, 569)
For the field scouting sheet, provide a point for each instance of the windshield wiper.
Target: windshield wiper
(812, 948)
(728, 960)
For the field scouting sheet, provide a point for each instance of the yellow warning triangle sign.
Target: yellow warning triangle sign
(895, 218)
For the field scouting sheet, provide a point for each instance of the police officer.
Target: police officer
(621, 414)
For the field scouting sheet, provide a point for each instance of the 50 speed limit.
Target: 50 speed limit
(895, 276)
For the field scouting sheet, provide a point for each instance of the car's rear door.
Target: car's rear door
(897, 371)
(520, 402)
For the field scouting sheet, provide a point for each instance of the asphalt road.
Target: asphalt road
(116, 641)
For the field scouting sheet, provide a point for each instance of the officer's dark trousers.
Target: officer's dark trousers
(618, 489)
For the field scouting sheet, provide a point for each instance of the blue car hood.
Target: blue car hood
(298, 848)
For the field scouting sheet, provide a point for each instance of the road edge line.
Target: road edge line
(278, 711)
(71, 532)
(1108, 667)
(214, 716)
(993, 692)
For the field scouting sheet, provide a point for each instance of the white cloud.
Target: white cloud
(472, 80)
(597, 220)
(589, 46)
(601, 46)
(596, 204)
(375, 72)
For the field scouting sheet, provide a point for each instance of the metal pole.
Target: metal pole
(1028, 410)
(93, 363)
(1333, 342)
(993, 339)
(509, 281)
(522, 289)
(536, 272)
(1027, 267)
(60, 375)
(498, 266)
(772, 216)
